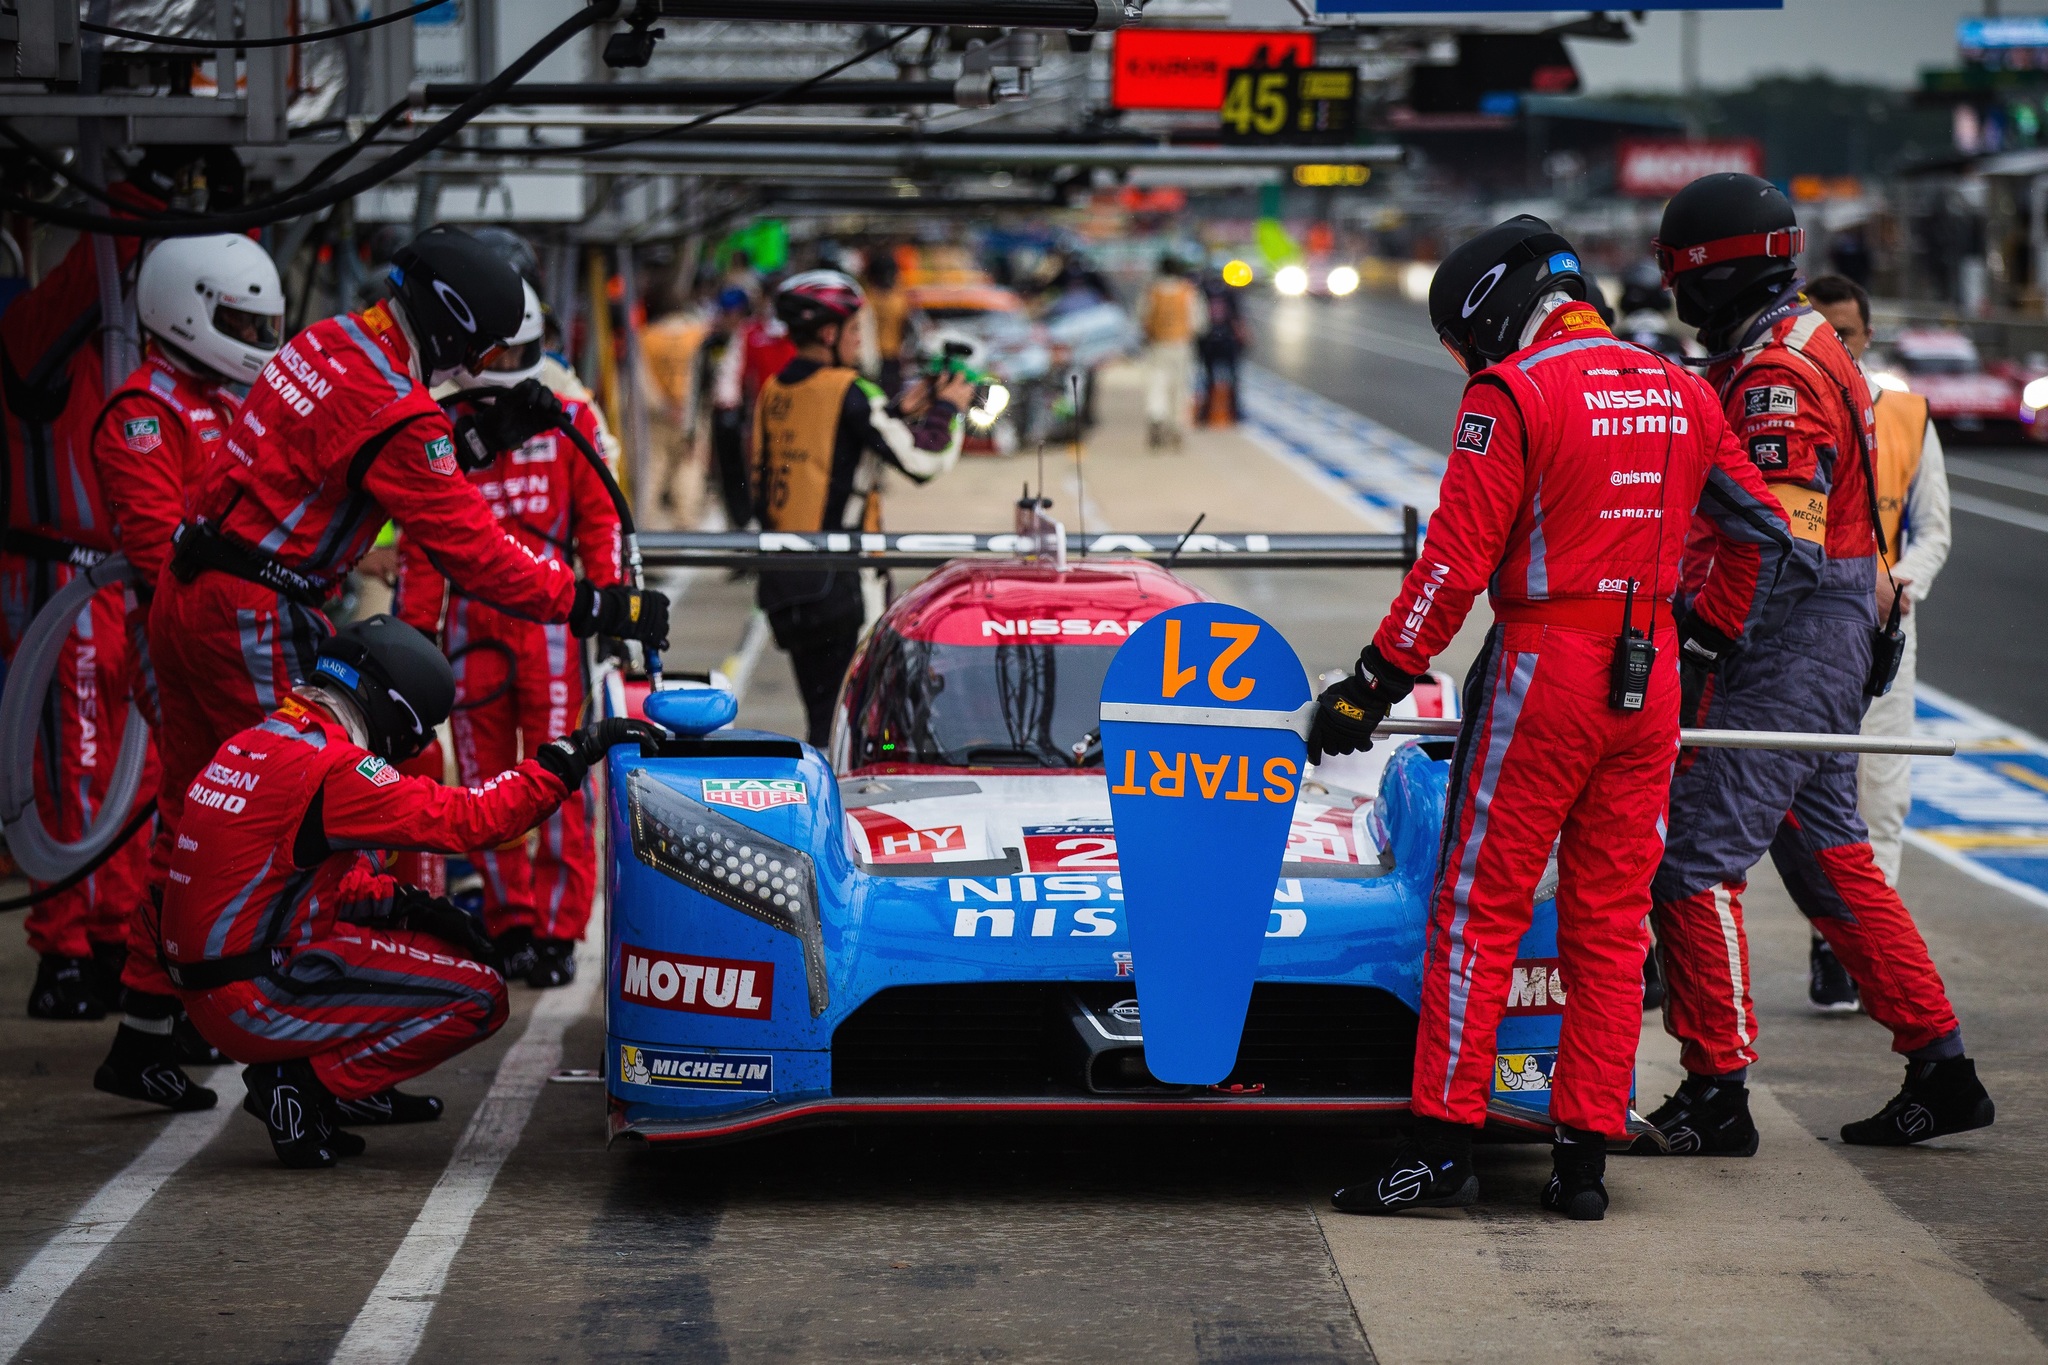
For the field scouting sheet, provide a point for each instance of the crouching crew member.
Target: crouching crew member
(210, 309)
(517, 682)
(290, 950)
(1577, 461)
(822, 437)
(1799, 403)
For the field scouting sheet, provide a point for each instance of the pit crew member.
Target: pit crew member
(822, 437)
(1800, 406)
(519, 680)
(332, 981)
(210, 309)
(1577, 460)
(1913, 509)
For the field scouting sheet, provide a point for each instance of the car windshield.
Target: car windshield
(1021, 705)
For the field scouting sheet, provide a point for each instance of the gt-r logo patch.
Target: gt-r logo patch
(143, 434)
(696, 985)
(1770, 400)
(1475, 432)
(1769, 452)
(441, 456)
(380, 773)
(755, 793)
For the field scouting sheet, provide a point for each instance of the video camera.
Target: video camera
(991, 396)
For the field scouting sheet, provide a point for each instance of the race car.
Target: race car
(928, 922)
(1963, 395)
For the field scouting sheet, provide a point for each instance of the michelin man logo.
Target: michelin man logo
(1520, 1071)
(633, 1066)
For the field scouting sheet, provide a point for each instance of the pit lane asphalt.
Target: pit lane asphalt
(1168, 1244)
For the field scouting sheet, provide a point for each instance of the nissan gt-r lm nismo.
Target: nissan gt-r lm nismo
(930, 923)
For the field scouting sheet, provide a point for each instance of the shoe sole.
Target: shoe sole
(107, 1082)
(1836, 1007)
(1587, 1206)
(1986, 1114)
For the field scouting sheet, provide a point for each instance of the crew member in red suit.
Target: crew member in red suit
(517, 681)
(289, 947)
(1577, 462)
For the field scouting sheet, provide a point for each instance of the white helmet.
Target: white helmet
(519, 359)
(215, 299)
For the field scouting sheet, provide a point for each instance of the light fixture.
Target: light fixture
(1291, 280)
(1343, 281)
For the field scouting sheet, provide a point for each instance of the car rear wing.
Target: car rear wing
(930, 549)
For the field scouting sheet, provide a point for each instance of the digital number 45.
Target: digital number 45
(1173, 677)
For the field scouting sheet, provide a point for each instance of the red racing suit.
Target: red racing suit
(1800, 406)
(519, 683)
(51, 389)
(154, 438)
(338, 429)
(271, 918)
(1572, 461)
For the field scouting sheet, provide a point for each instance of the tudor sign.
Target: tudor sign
(1184, 68)
(1659, 168)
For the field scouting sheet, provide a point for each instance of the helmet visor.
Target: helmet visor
(514, 357)
(251, 329)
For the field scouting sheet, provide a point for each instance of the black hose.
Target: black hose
(246, 44)
(143, 812)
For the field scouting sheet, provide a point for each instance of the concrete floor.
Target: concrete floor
(998, 1243)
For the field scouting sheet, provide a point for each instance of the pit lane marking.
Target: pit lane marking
(1985, 811)
(1998, 511)
(1364, 465)
(68, 1254)
(391, 1324)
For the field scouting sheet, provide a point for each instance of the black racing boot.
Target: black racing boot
(386, 1107)
(107, 961)
(142, 1066)
(1577, 1187)
(1653, 982)
(554, 963)
(1829, 987)
(190, 1045)
(515, 950)
(1431, 1169)
(1707, 1118)
(64, 989)
(290, 1101)
(1937, 1098)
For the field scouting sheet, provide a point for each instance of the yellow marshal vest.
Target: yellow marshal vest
(1901, 435)
(796, 431)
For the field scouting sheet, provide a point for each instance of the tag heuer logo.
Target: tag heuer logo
(441, 455)
(142, 434)
(754, 793)
(380, 773)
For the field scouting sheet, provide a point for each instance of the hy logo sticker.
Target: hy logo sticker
(755, 793)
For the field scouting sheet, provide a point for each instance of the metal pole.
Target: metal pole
(1737, 739)
(1090, 15)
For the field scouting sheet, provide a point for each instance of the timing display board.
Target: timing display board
(1289, 104)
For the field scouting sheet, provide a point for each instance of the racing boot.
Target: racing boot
(554, 963)
(107, 961)
(190, 1045)
(515, 950)
(1578, 1166)
(1705, 1118)
(142, 1065)
(64, 989)
(1937, 1098)
(290, 1101)
(386, 1107)
(1431, 1169)
(1653, 982)
(1829, 987)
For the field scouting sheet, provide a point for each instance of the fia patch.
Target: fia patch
(143, 434)
(1770, 400)
(1583, 319)
(1769, 452)
(380, 773)
(441, 456)
(1475, 432)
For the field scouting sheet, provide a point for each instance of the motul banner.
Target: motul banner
(1659, 168)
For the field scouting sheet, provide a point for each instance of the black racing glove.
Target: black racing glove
(439, 917)
(569, 756)
(1349, 711)
(1701, 649)
(622, 612)
(490, 422)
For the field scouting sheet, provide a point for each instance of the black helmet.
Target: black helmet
(1728, 242)
(402, 683)
(1484, 291)
(1642, 289)
(461, 298)
(514, 250)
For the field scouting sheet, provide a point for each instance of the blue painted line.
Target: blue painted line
(1985, 811)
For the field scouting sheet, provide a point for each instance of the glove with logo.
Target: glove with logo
(569, 756)
(490, 422)
(1349, 711)
(439, 917)
(622, 612)
(1701, 648)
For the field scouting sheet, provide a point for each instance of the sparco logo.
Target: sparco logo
(1404, 1185)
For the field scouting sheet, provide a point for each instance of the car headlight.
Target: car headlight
(2035, 394)
(992, 406)
(1343, 280)
(1885, 379)
(733, 864)
(1291, 280)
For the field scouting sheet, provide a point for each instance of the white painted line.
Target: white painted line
(35, 1289)
(739, 666)
(1989, 724)
(1997, 511)
(1964, 863)
(1982, 725)
(391, 1324)
(1978, 472)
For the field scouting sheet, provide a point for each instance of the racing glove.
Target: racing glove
(622, 612)
(569, 756)
(1701, 648)
(490, 422)
(438, 917)
(1349, 711)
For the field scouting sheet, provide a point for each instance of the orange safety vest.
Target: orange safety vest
(1169, 311)
(1901, 436)
(796, 435)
